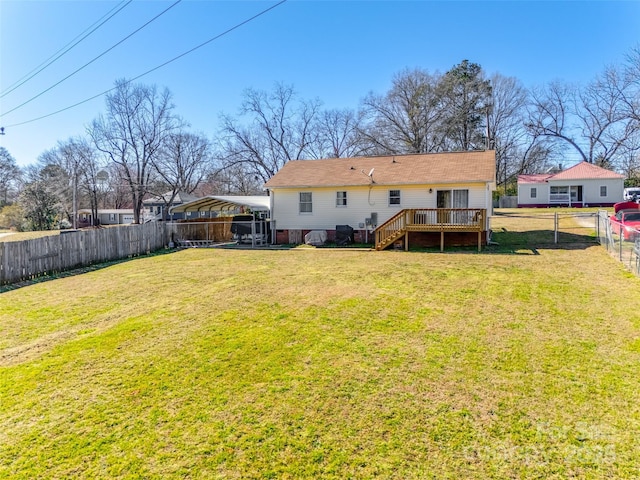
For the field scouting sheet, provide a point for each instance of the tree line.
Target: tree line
(140, 147)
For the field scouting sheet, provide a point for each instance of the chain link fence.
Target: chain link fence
(622, 242)
(515, 229)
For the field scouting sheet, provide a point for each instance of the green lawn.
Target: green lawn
(10, 236)
(322, 363)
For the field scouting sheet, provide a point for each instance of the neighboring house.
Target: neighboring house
(159, 206)
(107, 217)
(413, 198)
(582, 185)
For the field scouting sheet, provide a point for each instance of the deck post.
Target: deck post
(479, 241)
(442, 240)
(406, 242)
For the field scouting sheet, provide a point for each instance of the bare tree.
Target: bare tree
(506, 124)
(279, 129)
(137, 122)
(79, 183)
(424, 113)
(338, 134)
(604, 123)
(185, 161)
(590, 121)
(117, 192)
(517, 151)
(629, 86)
(406, 119)
(629, 158)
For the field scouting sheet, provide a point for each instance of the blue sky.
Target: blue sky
(336, 51)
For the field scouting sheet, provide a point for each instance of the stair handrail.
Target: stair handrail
(390, 227)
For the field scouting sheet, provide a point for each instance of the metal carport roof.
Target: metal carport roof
(224, 202)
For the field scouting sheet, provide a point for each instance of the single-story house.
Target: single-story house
(582, 185)
(387, 199)
(107, 216)
(159, 206)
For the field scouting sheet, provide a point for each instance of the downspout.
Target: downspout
(271, 217)
(489, 209)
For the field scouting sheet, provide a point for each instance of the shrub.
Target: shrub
(12, 217)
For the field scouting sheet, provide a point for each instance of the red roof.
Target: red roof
(535, 178)
(586, 170)
(581, 171)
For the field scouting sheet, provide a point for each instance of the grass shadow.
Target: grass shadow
(505, 241)
(47, 277)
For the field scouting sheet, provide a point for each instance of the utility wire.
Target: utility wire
(235, 27)
(60, 53)
(91, 61)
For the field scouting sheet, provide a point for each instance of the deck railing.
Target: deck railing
(430, 220)
(467, 219)
(560, 198)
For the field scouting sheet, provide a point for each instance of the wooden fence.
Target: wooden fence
(29, 259)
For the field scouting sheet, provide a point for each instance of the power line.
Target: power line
(65, 49)
(91, 61)
(235, 27)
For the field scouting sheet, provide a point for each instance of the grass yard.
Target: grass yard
(314, 363)
(534, 227)
(11, 236)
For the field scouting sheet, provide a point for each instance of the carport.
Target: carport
(214, 224)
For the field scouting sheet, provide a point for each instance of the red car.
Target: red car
(626, 221)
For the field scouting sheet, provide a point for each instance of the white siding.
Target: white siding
(524, 193)
(591, 189)
(361, 202)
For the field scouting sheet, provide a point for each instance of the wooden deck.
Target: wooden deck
(441, 220)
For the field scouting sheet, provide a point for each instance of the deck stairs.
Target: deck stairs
(391, 231)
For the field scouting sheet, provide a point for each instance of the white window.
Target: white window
(534, 192)
(603, 190)
(306, 203)
(559, 194)
(341, 199)
(562, 190)
(394, 197)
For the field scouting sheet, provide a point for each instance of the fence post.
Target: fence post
(555, 227)
(621, 242)
(253, 232)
